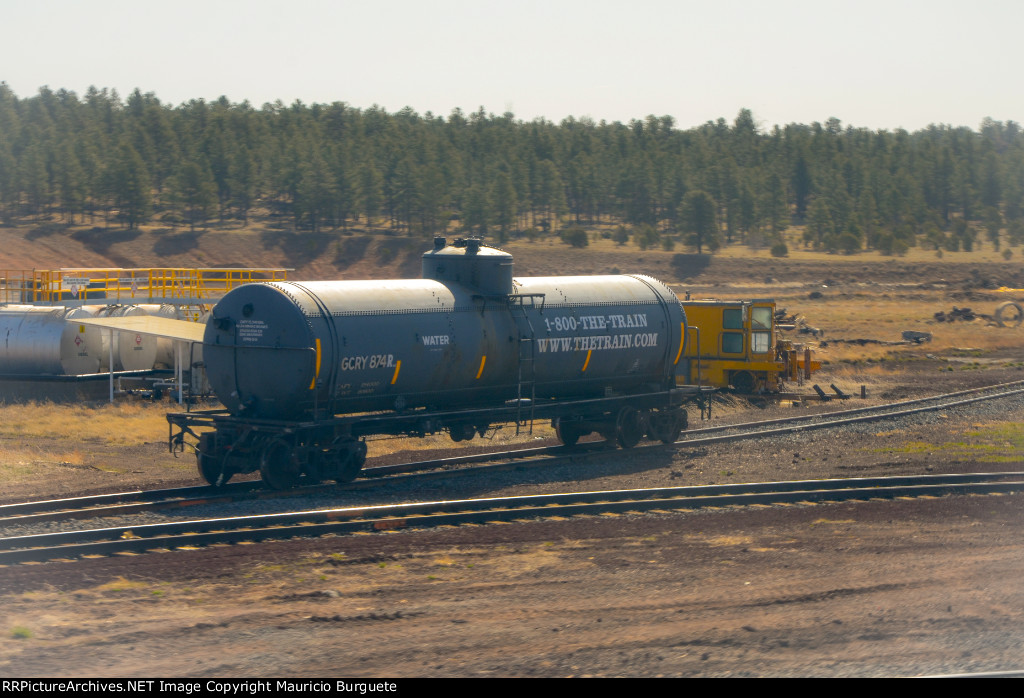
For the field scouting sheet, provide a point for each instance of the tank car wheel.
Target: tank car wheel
(277, 467)
(461, 432)
(567, 432)
(629, 427)
(666, 426)
(210, 467)
(351, 455)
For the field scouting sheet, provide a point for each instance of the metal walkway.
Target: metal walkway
(80, 286)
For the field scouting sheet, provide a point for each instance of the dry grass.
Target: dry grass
(125, 423)
(886, 319)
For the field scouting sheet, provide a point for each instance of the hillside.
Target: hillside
(362, 255)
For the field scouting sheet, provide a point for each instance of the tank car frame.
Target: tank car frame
(287, 452)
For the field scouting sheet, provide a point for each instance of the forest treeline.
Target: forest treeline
(96, 157)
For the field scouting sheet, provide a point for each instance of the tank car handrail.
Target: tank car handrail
(512, 297)
(697, 330)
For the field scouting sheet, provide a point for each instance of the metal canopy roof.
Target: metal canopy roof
(158, 326)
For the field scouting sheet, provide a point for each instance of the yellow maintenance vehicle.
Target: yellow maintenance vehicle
(735, 344)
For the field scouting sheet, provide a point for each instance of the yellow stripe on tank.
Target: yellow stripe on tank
(682, 341)
(316, 372)
(480, 371)
(587, 362)
(398, 367)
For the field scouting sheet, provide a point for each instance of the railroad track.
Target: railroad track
(821, 420)
(193, 534)
(136, 501)
(127, 503)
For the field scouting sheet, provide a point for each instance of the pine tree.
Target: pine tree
(699, 219)
(130, 186)
(194, 194)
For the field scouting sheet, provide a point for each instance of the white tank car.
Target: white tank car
(46, 340)
(133, 351)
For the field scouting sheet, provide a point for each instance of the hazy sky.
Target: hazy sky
(875, 64)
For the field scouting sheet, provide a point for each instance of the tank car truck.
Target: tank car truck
(306, 371)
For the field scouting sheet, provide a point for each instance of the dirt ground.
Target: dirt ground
(869, 589)
(903, 588)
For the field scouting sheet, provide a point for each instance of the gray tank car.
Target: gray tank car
(307, 369)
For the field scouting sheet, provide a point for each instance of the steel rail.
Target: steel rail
(123, 503)
(188, 534)
(854, 410)
(833, 419)
(116, 503)
(129, 502)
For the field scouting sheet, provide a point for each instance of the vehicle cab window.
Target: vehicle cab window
(732, 342)
(761, 318)
(732, 319)
(761, 325)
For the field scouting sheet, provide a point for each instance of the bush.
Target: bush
(884, 243)
(848, 243)
(575, 236)
(646, 236)
(779, 249)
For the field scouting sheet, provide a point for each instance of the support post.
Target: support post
(110, 366)
(177, 367)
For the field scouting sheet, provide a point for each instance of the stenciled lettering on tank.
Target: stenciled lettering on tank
(369, 361)
(602, 342)
(251, 330)
(435, 340)
(570, 323)
(552, 345)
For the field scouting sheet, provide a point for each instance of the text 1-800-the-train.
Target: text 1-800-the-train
(306, 370)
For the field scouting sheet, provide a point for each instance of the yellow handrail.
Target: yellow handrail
(128, 286)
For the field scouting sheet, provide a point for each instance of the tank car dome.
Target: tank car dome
(470, 263)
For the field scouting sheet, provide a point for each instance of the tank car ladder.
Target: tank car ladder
(525, 385)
